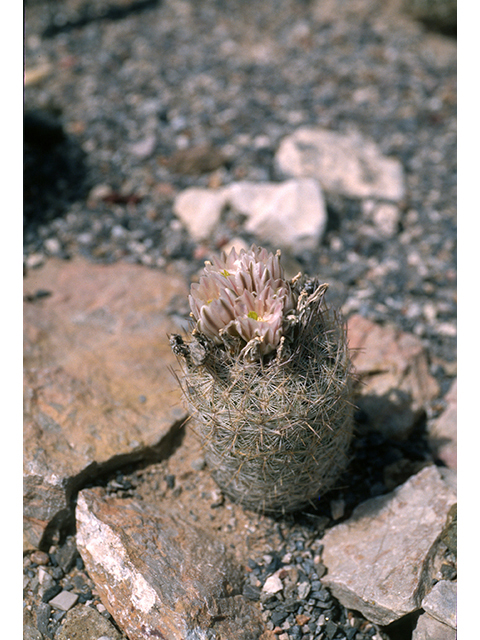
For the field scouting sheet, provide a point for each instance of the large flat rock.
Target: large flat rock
(98, 390)
(159, 575)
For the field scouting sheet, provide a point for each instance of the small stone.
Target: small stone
(198, 464)
(52, 245)
(303, 590)
(35, 260)
(273, 584)
(251, 592)
(45, 579)
(40, 557)
(331, 629)
(429, 628)
(217, 499)
(279, 615)
(66, 554)
(337, 508)
(441, 603)
(302, 619)
(386, 218)
(64, 600)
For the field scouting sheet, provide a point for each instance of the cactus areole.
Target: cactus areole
(267, 375)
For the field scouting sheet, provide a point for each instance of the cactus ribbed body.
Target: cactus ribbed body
(276, 427)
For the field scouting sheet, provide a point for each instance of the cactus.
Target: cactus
(267, 375)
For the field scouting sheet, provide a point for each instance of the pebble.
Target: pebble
(273, 584)
(40, 557)
(64, 600)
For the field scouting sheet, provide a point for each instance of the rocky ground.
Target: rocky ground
(345, 111)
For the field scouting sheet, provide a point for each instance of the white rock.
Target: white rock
(64, 600)
(375, 559)
(200, 209)
(291, 214)
(346, 164)
(273, 584)
(386, 218)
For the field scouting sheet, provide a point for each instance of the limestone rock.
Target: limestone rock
(86, 623)
(200, 210)
(98, 391)
(394, 371)
(378, 559)
(291, 214)
(430, 629)
(443, 432)
(344, 164)
(159, 575)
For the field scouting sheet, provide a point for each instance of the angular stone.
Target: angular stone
(160, 576)
(441, 603)
(86, 623)
(378, 559)
(394, 371)
(443, 432)
(200, 210)
(291, 214)
(430, 629)
(94, 350)
(273, 584)
(345, 164)
(64, 600)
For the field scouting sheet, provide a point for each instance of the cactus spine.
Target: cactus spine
(267, 375)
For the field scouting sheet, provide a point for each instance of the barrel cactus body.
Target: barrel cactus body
(268, 381)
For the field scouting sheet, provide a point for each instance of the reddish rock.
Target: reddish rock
(159, 575)
(392, 366)
(98, 390)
